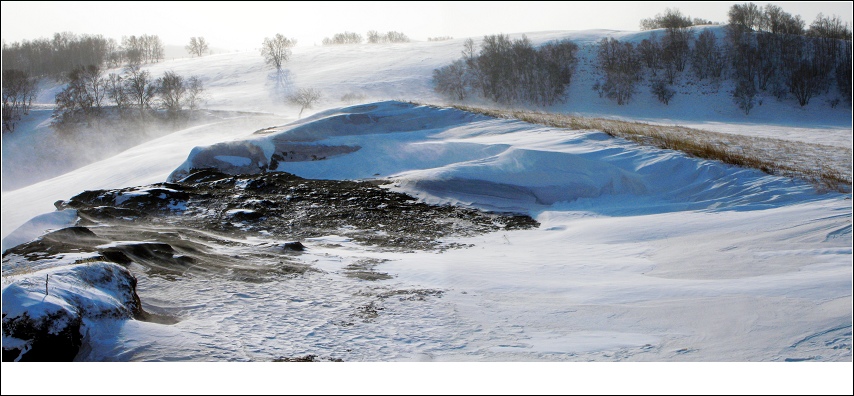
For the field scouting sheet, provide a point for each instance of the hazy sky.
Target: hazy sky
(243, 25)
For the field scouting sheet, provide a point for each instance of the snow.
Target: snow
(140, 192)
(57, 295)
(38, 225)
(147, 163)
(74, 287)
(642, 254)
(234, 160)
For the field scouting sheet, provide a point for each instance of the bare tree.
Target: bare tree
(805, 82)
(305, 98)
(451, 80)
(343, 38)
(116, 91)
(143, 49)
(140, 88)
(675, 48)
(775, 20)
(622, 66)
(198, 46)
(277, 51)
(154, 48)
(96, 85)
(650, 51)
(76, 101)
(843, 71)
(707, 58)
(195, 92)
(373, 37)
(662, 91)
(18, 92)
(172, 90)
(396, 37)
(469, 52)
(744, 96)
(114, 54)
(745, 17)
(671, 19)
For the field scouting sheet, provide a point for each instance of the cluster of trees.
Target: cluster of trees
(57, 56)
(440, 38)
(53, 57)
(621, 64)
(19, 90)
(509, 71)
(672, 18)
(136, 50)
(771, 51)
(198, 46)
(375, 37)
(343, 38)
(764, 49)
(68, 57)
(90, 91)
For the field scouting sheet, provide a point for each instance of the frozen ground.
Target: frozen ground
(710, 263)
(642, 254)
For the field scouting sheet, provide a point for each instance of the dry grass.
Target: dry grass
(826, 167)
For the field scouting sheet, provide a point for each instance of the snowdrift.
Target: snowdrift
(445, 155)
(642, 254)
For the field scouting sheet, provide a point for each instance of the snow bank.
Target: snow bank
(38, 225)
(450, 156)
(44, 311)
(289, 143)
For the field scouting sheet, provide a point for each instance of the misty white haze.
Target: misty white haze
(642, 255)
(241, 26)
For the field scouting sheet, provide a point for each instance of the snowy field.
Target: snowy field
(642, 255)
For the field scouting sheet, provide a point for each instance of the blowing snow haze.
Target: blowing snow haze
(388, 193)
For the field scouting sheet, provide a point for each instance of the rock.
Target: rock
(48, 326)
(294, 246)
(44, 311)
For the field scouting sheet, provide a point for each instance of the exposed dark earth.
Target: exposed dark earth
(174, 230)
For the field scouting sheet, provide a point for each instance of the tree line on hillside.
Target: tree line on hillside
(763, 49)
(56, 56)
(59, 57)
(373, 37)
(509, 71)
(90, 91)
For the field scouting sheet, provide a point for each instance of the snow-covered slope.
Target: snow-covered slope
(404, 72)
(451, 156)
(241, 82)
(642, 254)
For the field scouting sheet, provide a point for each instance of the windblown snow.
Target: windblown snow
(642, 254)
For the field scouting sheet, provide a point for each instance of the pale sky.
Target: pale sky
(244, 25)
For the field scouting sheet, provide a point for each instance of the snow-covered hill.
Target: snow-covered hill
(239, 81)
(641, 254)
